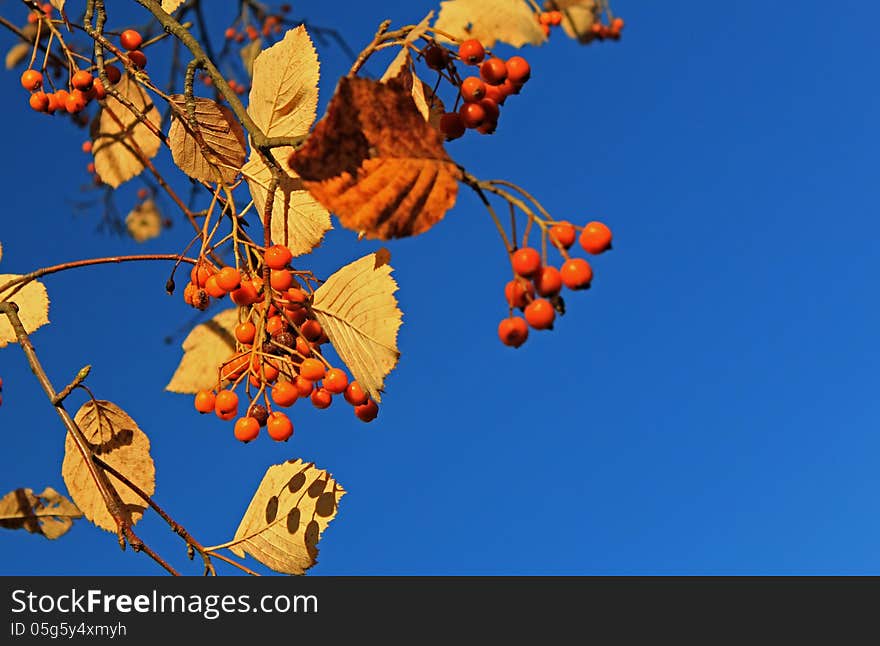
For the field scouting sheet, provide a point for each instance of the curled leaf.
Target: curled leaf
(509, 21)
(204, 350)
(115, 438)
(169, 6)
(48, 513)
(144, 222)
(33, 307)
(216, 151)
(578, 17)
(285, 519)
(357, 308)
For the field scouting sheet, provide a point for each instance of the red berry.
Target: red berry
(595, 238)
(39, 101)
(367, 412)
(138, 59)
(526, 261)
(519, 292)
(130, 39)
(617, 25)
(513, 331)
(275, 324)
(548, 281)
(321, 398)
(576, 273)
(280, 279)
(493, 71)
(518, 70)
(496, 93)
(436, 57)
(540, 314)
(278, 256)
(491, 108)
(204, 401)
(245, 295)
(213, 289)
(229, 34)
(82, 80)
(31, 80)
(451, 125)
(312, 369)
(473, 115)
(335, 381)
(303, 386)
(76, 102)
(229, 278)
(311, 330)
(472, 89)
(113, 73)
(245, 332)
(471, 51)
(564, 233)
(226, 401)
(279, 426)
(355, 394)
(284, 393)
(247, 429)
(555, 18)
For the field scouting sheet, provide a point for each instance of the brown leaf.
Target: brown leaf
(48, 513)
(115, 438)
(204, 350)
(578, 16)
(144, 222)
(33, 307)
(298, 220)
(283, 100)
(221, 134)
(285, 519)
(428, 104)
(489, 21)
(357, 308)
(169, 6)
(376, 163)
(112, 141)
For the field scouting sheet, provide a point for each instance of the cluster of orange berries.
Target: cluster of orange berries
(548, 19)
(131, 41)
(278, 343)
(90, 167)
(45, 11)
(601, 31)
(535, 288)
(272, 24)
(481, 95)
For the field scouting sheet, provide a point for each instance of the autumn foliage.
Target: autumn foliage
(276, 175)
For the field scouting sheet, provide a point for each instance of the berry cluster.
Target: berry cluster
(536, 287)
(271, 24)
(601, 31)
(480, 95)
(278, 350)
(548, 19)
(132, 40)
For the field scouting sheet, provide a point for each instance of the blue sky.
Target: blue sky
(709, 407)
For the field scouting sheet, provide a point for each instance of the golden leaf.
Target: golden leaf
(169, 6)
(285, 519)
(17, 53)
(376, 163)
(58, 4)
(249, 53)
(221, 134)
(115, 438)
(283, 100)
(403, 58)
(577, 18)
(204, 350)
(298, 220)
(48, 513)
(144, 222)
(509, 21)
(114, 139)
(357, 308)
(33, 307)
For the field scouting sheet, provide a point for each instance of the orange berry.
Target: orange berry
(76, 102)
(252, 32)
(555, 18)
(617, 25)
(113, 73)
(39, 101)
(280, 279)
(493, 71)
(262, 372)
(245, 295)
(548, 281)
(229, 278)
(436, 57)
(519, 293)
(355, 394)
(595, 238)
(235, 367)
(246, 429)
(303, 386)
(303, 347)
(544, 17)
(321, 398)
(312, 369)
(275, 324)
(496, 93)
(546, 30)
(473, 115)
(297, 314)
(245, 332)
(82, 80)
(284, 393)
(279, 426)
(367, 412)
(472, 89)
(227, 416)
(278, 256)
(518, 69)
(130, 39)
(98, 89)
(91, 168)
(471, 51)
(87, 146)
(564, 233)
(188, 293)
(225, 402)
(540, 314)
(204, 401)
(336, 381)
(138, 59)
(296, 295)
(229, 34)
(513, 331)
(239, 37)
(31, 80)
(61, 97)
(200, 273)
(311, 330)
(142, 192)
(213, 289)
(576, 273)
(451, 125)
(526, 261)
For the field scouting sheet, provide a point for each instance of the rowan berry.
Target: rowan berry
(496, 93)
(245, 332)
(513, 331)
(436, 57)
(451, 125)
(312, 369)
(204, 401)
(259, 413)
(252, 32)
(519, 293)
(31, 80)
(277, 256)
(563, 233)
(518, 70)
(355, 394)
(280, 279)
(284, 393)
(471, 52)
(473, 115)
(213, 289)
(39, 101)
(229, 34)
(275, 324)
(321, 398)
(472, 89)
(540, 314)
(335, 381)
(576, 273)
(246, 429)
(82, 80)
(595, 238)
(229, 278)
(98, 90)
(311, 330)
(76, 102)
(225, 401)
(130, 39)
(303, 386)
(138, 59)
(493, 71)
(548, 281)
(113, 73)
(200, 273)
(555, 18)
(279, 426)
(245, 295)
(367, 412)
(526, 261)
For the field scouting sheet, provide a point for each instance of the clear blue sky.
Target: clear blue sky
(709, 407)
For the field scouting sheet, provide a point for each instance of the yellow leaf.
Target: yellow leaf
(204, 350)
(48, 513)
(403, 58)
(58, 4)
(144, 222)
(33, 307)
(169, 6)
(509, 21)
(357, 308)
(374, 161)
(285, 519)
(298, 220)
(577, 18)
(115, 438)
(249, 53)
(17, 53)
(114, 140)
(220, 133)
(283, 99)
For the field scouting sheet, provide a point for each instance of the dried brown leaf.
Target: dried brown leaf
(285, 519)
(204, 350)
(509, 21)
(217, 151)
(578, 17)
(428, 104)
(144, 222)
(33, 307)
(376, 163)
(113, 142)
(115, 438)
(48, 513)
(17, 53)
(169, 6)
(404, 58)
(357, 308)
(298, 220)
(283, 99)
